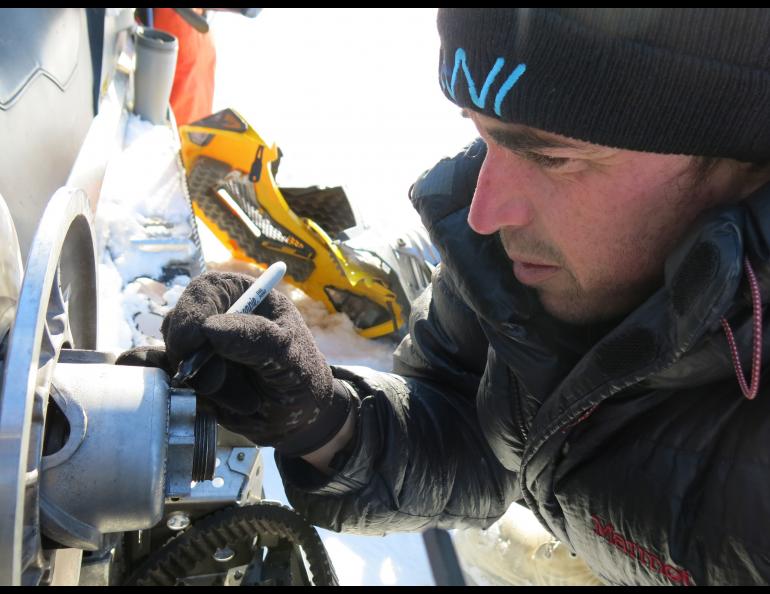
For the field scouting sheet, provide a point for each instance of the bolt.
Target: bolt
(241, 456)
(223, 555)
(178, 521)
(238, 575)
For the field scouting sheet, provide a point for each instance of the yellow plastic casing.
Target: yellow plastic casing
(237, 144)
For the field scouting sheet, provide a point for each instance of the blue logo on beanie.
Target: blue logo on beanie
(480, 99)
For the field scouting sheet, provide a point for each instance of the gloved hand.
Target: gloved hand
(269, 381)
(146, 356)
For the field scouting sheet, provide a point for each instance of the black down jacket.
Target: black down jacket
(633, 444)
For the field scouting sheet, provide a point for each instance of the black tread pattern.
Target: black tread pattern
(177, 558)
(328, 207)
(208, 173)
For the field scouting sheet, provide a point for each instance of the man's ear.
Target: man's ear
(755, 175)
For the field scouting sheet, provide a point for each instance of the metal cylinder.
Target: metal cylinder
(156, 53)
(109, 474)
(131, 441)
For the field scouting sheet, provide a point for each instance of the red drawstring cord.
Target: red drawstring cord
(756, 362)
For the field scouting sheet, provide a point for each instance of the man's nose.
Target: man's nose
(500, 197)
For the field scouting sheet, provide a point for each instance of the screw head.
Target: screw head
(224, 554)
(241, 456)
(178, 520)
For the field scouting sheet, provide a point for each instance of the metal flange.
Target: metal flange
(57, 309)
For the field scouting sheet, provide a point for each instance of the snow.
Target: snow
(517, 551)
(133, 202)
(141, 210)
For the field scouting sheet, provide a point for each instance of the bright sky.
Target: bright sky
(350, 95)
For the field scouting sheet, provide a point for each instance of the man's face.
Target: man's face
(589, 227)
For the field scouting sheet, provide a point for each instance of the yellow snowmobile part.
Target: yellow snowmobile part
(234, 193)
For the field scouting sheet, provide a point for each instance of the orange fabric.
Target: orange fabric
(192, 96)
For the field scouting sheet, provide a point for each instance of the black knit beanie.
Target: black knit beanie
(663, 80)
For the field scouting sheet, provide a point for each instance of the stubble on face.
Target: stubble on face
(627, 269)
(567, 298)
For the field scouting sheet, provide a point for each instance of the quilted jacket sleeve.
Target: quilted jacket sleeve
(418, 458)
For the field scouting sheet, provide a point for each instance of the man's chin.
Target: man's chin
(571, 316)
(579, 312)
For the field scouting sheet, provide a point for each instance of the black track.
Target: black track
(279, 529)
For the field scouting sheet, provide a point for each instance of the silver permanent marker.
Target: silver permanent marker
(246, 303)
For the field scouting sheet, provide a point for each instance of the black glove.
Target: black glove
(146, 356)
(269, 381)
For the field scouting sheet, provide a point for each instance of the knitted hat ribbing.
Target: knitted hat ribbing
(663, 80)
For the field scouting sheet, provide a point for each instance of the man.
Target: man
(591, 345)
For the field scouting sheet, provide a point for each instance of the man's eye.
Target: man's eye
(547, 162)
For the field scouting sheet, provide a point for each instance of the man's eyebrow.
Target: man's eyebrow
(522, 141)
